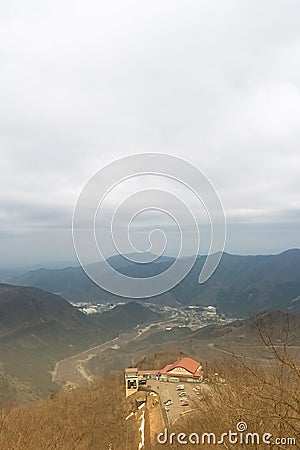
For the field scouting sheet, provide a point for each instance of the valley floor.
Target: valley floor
(73, 369)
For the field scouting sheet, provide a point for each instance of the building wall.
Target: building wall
(179, 371)
(131, 382)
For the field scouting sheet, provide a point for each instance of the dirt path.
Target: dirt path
(81, 357)
(73, 369)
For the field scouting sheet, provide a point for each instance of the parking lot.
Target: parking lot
(168, 391)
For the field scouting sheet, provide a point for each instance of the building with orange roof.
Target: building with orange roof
(185, 369)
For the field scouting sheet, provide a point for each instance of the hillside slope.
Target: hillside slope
(97, 416)
(91, 417)
(243, 338)
(38, 328)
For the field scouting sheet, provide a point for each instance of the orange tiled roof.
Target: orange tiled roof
(188, 364)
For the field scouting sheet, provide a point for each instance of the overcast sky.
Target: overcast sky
(85, 82)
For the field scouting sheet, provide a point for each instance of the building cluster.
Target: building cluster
(185, 369)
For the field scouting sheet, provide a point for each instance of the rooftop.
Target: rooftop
(131, 370)
(188, 364)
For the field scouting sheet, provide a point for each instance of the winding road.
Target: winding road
(73, 368)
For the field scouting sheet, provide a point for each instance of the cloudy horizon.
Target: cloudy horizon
(216, 83)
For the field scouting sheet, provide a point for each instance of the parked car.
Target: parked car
(185, 404)
(168, 403)
(182, 393)
(180, 387)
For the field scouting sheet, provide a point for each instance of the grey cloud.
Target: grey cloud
(214, 82)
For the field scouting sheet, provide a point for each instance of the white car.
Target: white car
(182, 394)
(180, 387)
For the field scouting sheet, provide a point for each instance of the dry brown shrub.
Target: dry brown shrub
(91, 417)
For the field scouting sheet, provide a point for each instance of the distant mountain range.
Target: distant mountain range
(240, 286)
